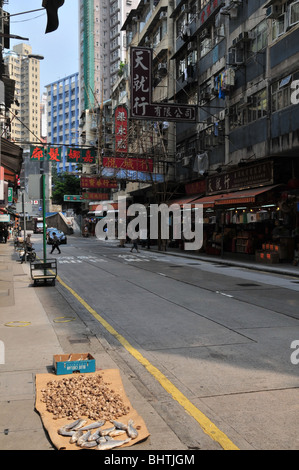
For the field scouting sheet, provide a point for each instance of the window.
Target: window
(258, 107)
(281, 92)
(294, 13)
(260, 40)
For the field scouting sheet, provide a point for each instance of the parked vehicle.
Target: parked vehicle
(38, 225)
(60, 235)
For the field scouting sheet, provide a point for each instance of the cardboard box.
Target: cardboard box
(73, 363)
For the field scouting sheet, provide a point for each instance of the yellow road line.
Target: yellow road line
(204, 422)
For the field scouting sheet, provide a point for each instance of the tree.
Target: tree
(64, 183)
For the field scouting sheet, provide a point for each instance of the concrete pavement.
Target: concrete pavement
(31, 333)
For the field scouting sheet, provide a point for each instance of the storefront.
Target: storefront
(251, 223)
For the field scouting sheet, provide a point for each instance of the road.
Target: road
(214, 340)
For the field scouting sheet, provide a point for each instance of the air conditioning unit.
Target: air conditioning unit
(205, 95)
(274, 11)
(163, 15)
(162, 66)
(147, 40)
(179, 156)
(185, 161)
(236, 56)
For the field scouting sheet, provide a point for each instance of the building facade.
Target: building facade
(63, 116)
(24, 69)
(237, 62)
(102, 48)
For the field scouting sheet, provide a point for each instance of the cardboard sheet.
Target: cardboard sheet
(113, 379)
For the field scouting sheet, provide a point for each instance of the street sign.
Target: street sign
(73, 198)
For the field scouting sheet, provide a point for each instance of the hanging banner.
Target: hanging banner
(37, 153)
(121, 129)
(94, 182)
(81, 155)
(52, 154)
(135, 164)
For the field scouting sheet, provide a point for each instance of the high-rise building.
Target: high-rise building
(102, 47)
(24, 68)
(63, 116)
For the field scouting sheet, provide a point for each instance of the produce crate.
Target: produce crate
(73, 363)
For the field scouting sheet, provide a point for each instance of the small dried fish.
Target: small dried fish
(80, 424)
(111, 444)
(67, 427)
(83, 438)
(117, 432)
(132, 432)
(89, 444)
(119, 425)
(95, 425)
(63, 432)
(76, 436)
(105, 432)
(95, 435)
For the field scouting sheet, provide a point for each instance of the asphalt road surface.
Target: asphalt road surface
(214, 341)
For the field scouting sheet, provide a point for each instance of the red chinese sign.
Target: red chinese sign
(196, 188)
(121, 129)
(96, 196)
(52, 154)
(93, 182)
(135, 164)
(142, 106)
(210, 8)
(81, 155)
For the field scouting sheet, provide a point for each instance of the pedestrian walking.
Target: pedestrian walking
(135, 245)
(55, 243)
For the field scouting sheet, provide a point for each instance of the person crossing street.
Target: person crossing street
(55, 243)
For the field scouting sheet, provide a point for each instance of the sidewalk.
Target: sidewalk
(31, 338)
(286, 269)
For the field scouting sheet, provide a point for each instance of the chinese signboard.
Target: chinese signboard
(96, 196)
(73, 198)
(241, 178)
(210, 8)
(136, 164)
(196, 187)
(81, 155)
(121, 129)
(94, 182)
(142, 106)
(52, 154)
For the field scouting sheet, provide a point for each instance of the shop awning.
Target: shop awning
(11, 156)
(184, 200)
(230, 199)
(242, 197)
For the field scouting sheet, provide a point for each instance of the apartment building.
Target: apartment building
(24, 68)
(63, 116)
(237, 62)
(102, 48)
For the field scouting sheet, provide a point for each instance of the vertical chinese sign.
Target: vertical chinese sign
(121, 129)
(142, 106)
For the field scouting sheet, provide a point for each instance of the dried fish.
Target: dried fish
(117, 432)
(76, 436)
(111, 444)
(63, 432)
(105, 432)
(95, 435)
(80, 424)
(95, 425)
(72, 425)
(132, 432)
(119, 425)
(83, 438)
(88, 444)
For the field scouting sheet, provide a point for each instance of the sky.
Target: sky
(59, 48)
